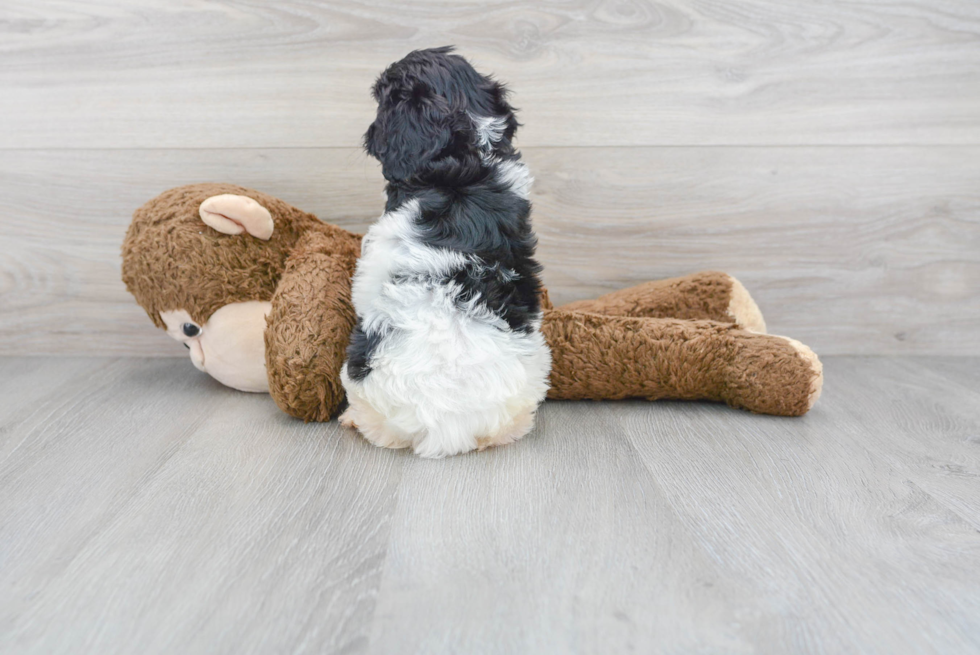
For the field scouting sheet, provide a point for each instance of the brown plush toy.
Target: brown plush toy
(259, 291)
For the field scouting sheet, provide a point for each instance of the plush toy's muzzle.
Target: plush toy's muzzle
(230, 346)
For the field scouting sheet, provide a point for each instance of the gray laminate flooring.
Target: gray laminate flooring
(146, 509)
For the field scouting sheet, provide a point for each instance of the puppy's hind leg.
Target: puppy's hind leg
(446, 439)
(361, 416)
(520, 426)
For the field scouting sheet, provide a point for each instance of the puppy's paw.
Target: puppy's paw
(347, 420)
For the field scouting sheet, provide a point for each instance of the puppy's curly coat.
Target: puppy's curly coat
(447, 355)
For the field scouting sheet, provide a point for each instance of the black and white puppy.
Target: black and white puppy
(447, 355)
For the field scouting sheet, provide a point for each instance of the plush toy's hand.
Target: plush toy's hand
(702, 296)
(310, 324)
(608, 357)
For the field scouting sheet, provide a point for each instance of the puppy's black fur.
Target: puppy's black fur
(424, 133)
(428, 142)
(359, 351)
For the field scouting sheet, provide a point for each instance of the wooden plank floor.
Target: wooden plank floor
(146, 509)
(295, 73)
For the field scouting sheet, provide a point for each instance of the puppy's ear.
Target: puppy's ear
(502, 109)
(415, 135)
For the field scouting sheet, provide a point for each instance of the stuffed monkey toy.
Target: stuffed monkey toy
(259, 291)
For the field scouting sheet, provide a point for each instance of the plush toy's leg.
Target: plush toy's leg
(709, 296)
(310, 324)
(608, 357)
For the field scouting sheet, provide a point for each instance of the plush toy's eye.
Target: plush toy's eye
(190, 330)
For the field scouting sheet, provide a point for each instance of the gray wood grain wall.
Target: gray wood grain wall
(826, 154)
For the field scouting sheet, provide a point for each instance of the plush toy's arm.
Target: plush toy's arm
(608, 357)
(309, 326)
(702, 296)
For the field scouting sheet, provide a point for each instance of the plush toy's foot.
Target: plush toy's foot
(710, 296)
(607, 357)
(742, 308)
(772, 375)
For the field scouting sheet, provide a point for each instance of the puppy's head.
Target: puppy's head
(439, 121)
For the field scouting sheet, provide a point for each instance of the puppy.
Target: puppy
(447, 355)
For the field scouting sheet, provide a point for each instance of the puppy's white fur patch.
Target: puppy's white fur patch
(515, 175)
(448, 376)
(489, 130)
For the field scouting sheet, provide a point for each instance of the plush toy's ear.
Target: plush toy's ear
(231, 214)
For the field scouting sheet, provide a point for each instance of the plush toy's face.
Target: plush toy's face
(230, 346)
(204, 261)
